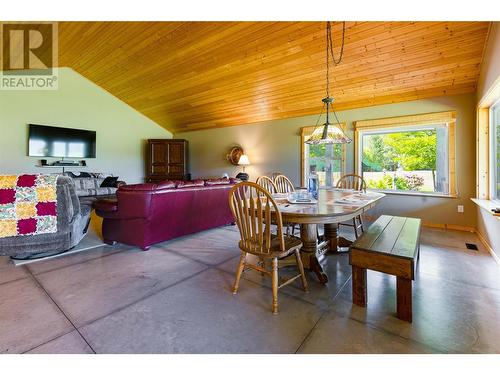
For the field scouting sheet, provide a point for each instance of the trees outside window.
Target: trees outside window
(409, 159)
(326, 160)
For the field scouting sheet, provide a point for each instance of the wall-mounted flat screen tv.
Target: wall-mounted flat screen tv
(51, 141)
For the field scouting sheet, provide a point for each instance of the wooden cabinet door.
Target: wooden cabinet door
(176, 158)
(158, 153)
(166, 159)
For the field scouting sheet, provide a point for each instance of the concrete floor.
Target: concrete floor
(176, 298)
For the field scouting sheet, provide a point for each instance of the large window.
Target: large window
(495, 148)
(407, 154)
(326, 160)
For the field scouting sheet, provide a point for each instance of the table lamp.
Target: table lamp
(244, 162)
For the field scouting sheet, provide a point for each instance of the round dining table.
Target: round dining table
(333, 206)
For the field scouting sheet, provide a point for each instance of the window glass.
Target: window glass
(326, 160)
(406, 159)
(495, 132)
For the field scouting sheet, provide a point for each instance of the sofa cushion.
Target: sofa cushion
(105, 191)
(79, 175)
(94, 191)
(217, 181)
(138, 187)
(109, 182)
(167, 185)
(85, 183)
(193, 183)
(85, 174)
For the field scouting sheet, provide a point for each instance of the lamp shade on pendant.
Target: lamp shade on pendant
(244, 160)
(329, 133)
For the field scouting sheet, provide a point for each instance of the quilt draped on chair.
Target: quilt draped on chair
(28, 204)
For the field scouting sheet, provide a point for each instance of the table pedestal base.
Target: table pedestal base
(336, 243)
(309, 237)
(314, 247)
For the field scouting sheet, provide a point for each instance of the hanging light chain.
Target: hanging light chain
(328, 33)
(329, 52)
(333, 134)
(330, 41)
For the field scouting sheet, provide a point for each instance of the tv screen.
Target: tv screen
(57, 142)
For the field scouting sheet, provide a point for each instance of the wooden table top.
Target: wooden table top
(333, 206)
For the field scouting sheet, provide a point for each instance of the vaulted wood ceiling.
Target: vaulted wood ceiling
(197, 75)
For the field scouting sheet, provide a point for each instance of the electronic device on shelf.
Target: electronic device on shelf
(57, 142)
(65, 163)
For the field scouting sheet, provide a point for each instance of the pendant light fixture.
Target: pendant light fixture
(329, 133)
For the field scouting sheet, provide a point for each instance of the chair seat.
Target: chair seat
(291, 244)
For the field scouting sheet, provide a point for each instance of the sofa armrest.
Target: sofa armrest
(106, 205)
(106, 208)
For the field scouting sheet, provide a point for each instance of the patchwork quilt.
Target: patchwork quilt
(28, 204)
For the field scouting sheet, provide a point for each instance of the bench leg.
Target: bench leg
(359, 286)
(404, 299)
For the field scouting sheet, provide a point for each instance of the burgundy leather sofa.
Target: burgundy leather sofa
(145, 214)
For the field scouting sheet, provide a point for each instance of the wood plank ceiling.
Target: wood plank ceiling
(197, 75)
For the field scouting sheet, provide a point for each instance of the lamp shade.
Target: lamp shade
(243, 160)
(333, 134)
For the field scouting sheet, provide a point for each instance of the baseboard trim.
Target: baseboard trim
(488, 247)
(461, 228)
(428, 224)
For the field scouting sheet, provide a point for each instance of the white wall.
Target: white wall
(78, 103)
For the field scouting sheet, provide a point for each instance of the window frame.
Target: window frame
(306, 132)
(483, 144)
(409, 123)
(493, 167)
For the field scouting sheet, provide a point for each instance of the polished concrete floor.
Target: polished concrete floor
(176, 298)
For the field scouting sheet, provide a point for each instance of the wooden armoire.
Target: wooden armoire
(167, 159)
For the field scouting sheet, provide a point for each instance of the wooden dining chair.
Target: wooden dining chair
(274, 175)
(352, 181)
(253, 207)
(283, 184)
(267, 183)
(355, 182)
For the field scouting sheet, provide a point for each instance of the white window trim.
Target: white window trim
(492, 157)
(484, 182)
(410, 123)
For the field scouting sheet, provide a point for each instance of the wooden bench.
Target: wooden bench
(390, 245)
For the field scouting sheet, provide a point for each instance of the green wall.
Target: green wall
(275, 146)
(78, 103)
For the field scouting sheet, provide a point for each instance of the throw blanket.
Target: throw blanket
(28, 205)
